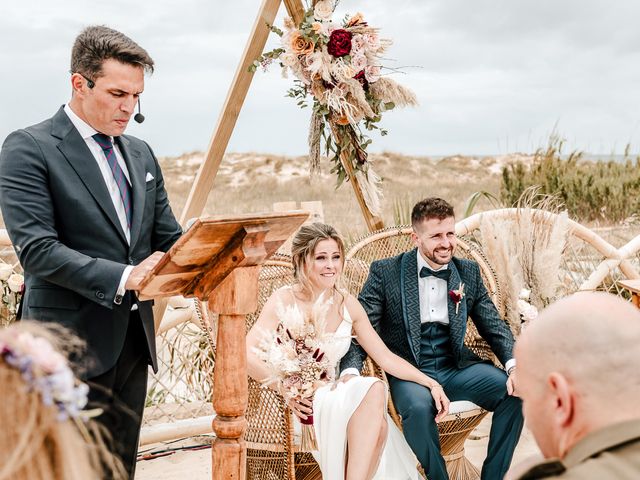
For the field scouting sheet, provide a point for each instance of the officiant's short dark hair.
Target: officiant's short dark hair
(98, 43)
(431, 207)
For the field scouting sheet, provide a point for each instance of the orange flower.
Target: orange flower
(340, 120)
(355, 20)
(299, 44)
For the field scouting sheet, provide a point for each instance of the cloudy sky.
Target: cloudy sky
(492, 76)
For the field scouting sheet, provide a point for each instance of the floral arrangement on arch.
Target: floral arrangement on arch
(340, 66)
(12, 285)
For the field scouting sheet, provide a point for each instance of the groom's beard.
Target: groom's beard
(440, 256)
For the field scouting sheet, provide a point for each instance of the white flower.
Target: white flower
(524, 294)
(358, 62)
(331, 27)
(15, 282)
(288, 59)
(372, 73)
(527, 311)
(5, 271)
(319, 63)
(342, 71)
(323, 10)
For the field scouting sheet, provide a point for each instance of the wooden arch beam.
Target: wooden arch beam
(233, 104)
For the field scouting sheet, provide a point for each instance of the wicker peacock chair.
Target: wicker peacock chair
(463, 416)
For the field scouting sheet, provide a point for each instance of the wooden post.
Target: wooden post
(227, 120)
(295, 10)
(236, 296)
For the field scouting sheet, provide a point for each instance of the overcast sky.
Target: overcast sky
(492, 76)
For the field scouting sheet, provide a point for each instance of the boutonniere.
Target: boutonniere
(456, 296)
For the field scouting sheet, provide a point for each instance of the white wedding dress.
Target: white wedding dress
(332, 410)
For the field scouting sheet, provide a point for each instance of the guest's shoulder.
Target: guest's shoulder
(546, 469)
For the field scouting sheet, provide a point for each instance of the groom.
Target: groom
(419, 302)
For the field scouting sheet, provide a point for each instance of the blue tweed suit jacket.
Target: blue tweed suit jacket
(390, 298)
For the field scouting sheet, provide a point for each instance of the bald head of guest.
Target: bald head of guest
(578, 369)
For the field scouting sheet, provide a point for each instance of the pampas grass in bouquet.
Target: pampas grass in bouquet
(298, 355)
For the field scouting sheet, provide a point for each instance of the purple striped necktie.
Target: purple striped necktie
(121, 180)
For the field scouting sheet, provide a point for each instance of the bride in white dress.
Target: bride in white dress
(356, 437)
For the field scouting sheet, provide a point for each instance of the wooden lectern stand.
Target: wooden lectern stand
(218, 259)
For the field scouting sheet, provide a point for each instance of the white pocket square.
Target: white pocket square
(149, 177)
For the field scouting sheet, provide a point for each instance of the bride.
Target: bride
(355, 436)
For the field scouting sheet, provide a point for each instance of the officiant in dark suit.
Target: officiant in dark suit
(419, 303)
(88, 215)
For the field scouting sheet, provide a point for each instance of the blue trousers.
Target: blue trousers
(482, 384)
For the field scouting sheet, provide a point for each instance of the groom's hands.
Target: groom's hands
(512, 382)
(441, 400)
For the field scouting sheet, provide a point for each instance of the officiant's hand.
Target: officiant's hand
(441, 400)
(301, 407)
(141, 270)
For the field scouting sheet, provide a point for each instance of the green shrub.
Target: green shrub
(606, 191)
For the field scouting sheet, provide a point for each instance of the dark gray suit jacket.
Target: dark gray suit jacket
(390, 296)
(64, 227)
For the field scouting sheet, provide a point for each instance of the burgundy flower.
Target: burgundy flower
(362, 79)
(455, 296)
(339, 43)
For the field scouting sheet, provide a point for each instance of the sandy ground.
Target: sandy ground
(196, 464)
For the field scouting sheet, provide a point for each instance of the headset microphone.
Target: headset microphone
(138, 117)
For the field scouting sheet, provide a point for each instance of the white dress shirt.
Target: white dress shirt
(86, 131)
(433, 295)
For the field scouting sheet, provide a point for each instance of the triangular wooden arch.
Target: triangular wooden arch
(233, 104)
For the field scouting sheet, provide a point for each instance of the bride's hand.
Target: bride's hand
(343, 379)
(301, 407)
(441, 400)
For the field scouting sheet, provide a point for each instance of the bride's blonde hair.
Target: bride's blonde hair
(36, 443)
(302, 250)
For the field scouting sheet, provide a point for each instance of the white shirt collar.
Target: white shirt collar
(423, 263)
(85, 130)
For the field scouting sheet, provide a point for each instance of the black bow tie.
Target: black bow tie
(442, 274)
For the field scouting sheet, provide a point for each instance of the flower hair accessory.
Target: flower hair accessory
(46, 371)
(456, 296)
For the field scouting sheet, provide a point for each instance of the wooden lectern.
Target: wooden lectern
(218, 259)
